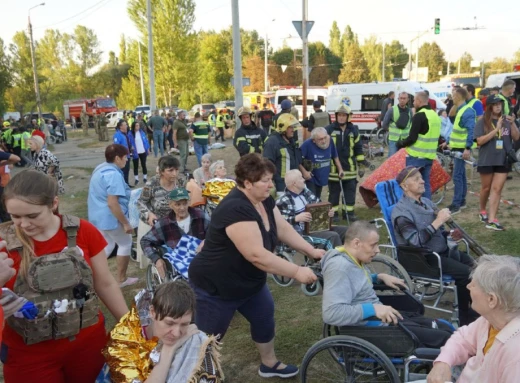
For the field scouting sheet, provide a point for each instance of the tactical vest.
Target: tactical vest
(321, 119)
(395, 133)
(59, 276)
(459, 135)
(426, 144)
(506, 104)
(202, 133)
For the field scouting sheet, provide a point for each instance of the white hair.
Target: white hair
(214, 166)
(317, 131)
(206, 156)
(500, 275)
(290, 175)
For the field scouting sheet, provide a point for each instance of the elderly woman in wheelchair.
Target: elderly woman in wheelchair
(393, 325)
(490, 346)
(183, 222)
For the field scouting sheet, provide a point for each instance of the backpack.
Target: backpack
(58, 276)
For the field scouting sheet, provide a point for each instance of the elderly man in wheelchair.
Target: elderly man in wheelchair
(377, 327)
(184, 224)
(417, 222)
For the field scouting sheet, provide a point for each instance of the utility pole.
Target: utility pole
(237, 58)
(305, 60)
(35, 72)
(448, 69)
(151, 75)
(143, 97)
(383, 66)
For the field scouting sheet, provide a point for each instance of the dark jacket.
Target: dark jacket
(249, 139)
(419, 126)
(349, 147)
(279, 151)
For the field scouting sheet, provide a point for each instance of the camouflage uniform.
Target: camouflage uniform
(84, 122)
(103, 128)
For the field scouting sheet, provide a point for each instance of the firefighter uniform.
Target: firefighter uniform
(350, 152)
(283, 150)
(249, 138)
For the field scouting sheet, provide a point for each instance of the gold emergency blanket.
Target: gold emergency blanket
(128, 352)
(218, 188)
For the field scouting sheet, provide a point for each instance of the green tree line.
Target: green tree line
(195, 66)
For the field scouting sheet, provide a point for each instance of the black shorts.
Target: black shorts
(493, 169)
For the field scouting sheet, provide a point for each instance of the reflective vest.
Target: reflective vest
(219, 123)
(470, 103)
(7, 136)
(201, 132)
(395, 133)
(17, 140)
(345, 142)
(321, 119)
(506, 104)
(459, 135)
(426, 144)
(130, 122)
(212, 119)
(25, 136)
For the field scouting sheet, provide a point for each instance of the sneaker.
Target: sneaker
(495, 226)
(454, 209)
(483, 217)
(463, 206)
(129, 281)
(272, 372)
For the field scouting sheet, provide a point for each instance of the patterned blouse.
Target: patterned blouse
(154, 198)
(43, 160)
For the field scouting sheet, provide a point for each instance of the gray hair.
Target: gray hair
(205, 156)
(290, 176)
(317, 131)
(359, 230)
(500, 275)
(405, 93)
(423, 97)
(214, 165)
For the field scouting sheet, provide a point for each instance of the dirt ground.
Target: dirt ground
(298, 317)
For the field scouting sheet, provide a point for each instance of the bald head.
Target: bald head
(422, 98)
(292, 176)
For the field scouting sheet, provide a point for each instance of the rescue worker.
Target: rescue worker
(131, 119)
(265, 118)
(249, 138)
(212, 119)
(423, 139)
(318, 119)
(103, 127)
(17, 145)
(199, 135)
(7, 136)
(96, 122)
(473, 102)
(398, 121)
(349, 147)
(286, 108)
(220, 123)
(508, 89)
(282, 149)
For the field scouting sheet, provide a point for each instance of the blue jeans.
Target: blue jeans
(200, 150)
(158, 142)
(426, 166)
(460, 182)
(392, 148)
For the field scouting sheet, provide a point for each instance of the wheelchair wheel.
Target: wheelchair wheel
(311, 290)
(154, 279)
(279, 279)
(355, 360)
(387, 265)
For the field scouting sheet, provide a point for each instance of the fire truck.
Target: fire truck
(92, 106)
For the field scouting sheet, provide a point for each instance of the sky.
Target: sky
(388, 20)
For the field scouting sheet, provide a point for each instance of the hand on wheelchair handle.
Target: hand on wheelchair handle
(305, 275)
(161, 267)
(440, 373)
(387, 314)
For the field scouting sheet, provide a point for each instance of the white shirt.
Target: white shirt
(139, 143)
(185, 224)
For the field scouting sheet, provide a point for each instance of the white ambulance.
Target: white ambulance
(366, 100)
(314, 93)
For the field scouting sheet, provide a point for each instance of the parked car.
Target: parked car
(225, 105)
(143, 108)
(203, 109)
(113, 118)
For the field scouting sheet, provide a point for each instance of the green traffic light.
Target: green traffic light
(437, 26)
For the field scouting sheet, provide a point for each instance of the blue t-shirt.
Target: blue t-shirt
(478, 107)
(320, 159)
(106, 180)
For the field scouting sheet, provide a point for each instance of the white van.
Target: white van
(498, 80)
(295, 94)
(440, 89)
(366, 100)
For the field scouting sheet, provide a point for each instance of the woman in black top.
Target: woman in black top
(229, 274)
(495, 134)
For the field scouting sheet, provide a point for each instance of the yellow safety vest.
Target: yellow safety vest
(426, 144)
(506, 104)
(220, 121)
(459, 135)
(396, 134)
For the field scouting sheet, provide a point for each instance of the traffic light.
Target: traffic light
(437, 26)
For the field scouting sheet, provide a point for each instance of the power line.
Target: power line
(72, 17)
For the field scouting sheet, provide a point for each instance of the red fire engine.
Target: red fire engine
(73, 108)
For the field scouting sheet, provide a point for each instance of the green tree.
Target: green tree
(396, 58)
(498, 65)
(5, 77)
(122, 49)
(373, 53)
(335, 40)
(355, 67)
(325, 65)
(215, 66)
(432, 56)
(87, 45)
(465, 63)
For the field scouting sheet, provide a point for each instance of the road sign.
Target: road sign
(298, 26)
(246, 81)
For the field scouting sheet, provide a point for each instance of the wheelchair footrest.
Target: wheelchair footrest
(427, 353)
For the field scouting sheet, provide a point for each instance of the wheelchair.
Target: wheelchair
(430, 283)
(370, 353)
(153, 277)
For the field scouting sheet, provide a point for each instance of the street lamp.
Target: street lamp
(266, 80)
(35, 73)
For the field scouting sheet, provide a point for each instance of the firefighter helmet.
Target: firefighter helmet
(244, 110)
(285, 121)
(342, 108)
(6, 124)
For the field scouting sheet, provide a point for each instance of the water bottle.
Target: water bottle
(457, 154)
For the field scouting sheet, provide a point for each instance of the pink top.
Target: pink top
(501, 364)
